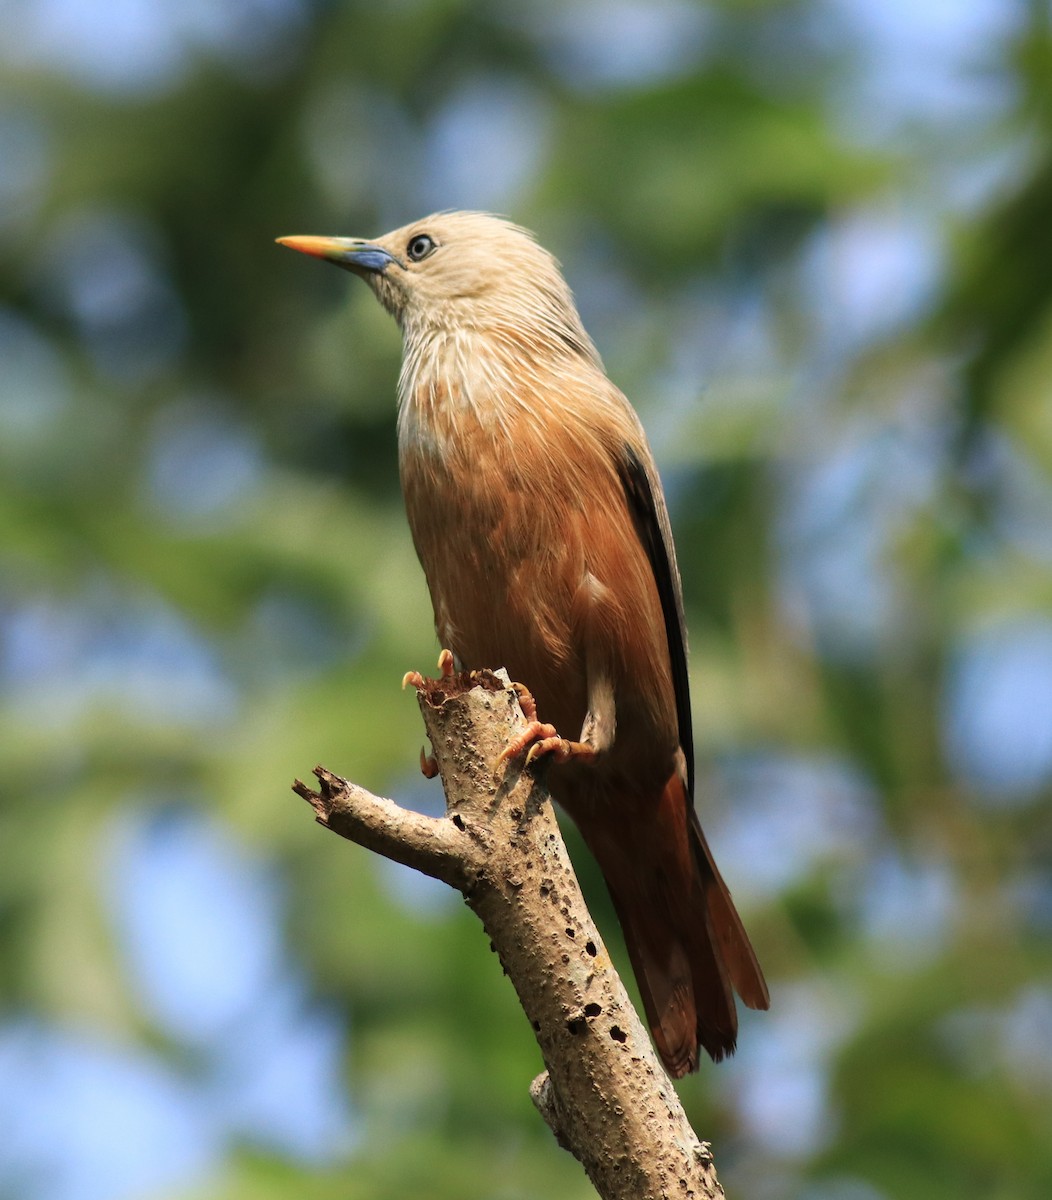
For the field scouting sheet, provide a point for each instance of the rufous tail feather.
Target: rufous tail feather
(685, 940)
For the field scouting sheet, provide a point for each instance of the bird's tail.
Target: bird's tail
(687, 944)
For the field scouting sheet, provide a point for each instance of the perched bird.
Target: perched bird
(538, 516)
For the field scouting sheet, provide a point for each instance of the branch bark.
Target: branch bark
(604, 1094)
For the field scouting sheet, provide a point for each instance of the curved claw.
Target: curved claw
(447, 668)
(428, 764)
(550, 745)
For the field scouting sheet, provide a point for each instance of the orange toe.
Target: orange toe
(534, 731)
(526, 701)
(560, 750)
(541, 740)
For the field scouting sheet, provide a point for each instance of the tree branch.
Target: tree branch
(605, 1095)
(437, 847)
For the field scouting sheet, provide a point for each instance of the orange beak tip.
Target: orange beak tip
(305, 245)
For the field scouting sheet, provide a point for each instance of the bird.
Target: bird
(538, 516)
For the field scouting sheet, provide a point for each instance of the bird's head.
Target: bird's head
(457, 271)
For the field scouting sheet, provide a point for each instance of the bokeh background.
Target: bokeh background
(813, 240)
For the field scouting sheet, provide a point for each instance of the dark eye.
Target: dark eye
(419, 247)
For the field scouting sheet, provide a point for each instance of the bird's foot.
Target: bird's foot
(446, 667)
(543, 740)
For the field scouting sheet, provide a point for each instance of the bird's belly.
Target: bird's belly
(506, 604)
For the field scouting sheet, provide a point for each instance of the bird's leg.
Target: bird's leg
(447, 669)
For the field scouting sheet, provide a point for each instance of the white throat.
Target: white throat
(452, 379)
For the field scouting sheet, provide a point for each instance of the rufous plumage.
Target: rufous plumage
(539, 518)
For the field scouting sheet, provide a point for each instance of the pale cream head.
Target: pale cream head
(464, 272)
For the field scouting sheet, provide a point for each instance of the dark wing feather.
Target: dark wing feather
(647, 505)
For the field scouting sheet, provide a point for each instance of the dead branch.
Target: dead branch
(604, 1094)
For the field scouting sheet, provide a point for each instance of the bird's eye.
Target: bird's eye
(419, 247)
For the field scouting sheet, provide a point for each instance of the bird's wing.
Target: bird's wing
(647, 505)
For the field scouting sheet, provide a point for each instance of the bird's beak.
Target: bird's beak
(353, 254)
